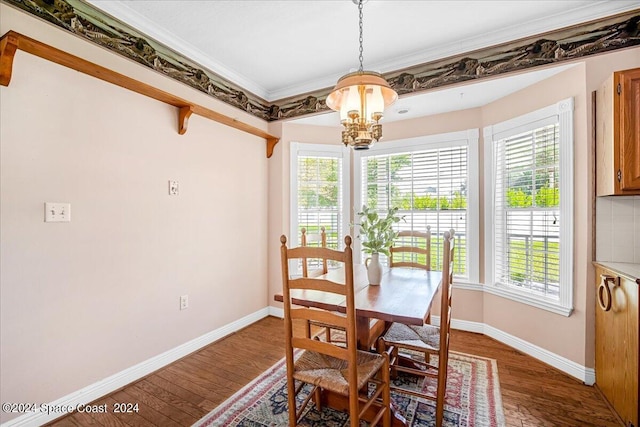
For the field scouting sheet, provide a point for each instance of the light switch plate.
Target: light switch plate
(174, 188)
(57, 212)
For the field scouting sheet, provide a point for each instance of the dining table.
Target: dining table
(404, 295)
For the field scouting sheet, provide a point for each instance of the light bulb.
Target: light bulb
(375, 102)
(353, 101)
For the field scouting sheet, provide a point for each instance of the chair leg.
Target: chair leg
(386, 394)
(317, 398)
(291, 397)
(327, 334)
(354, 419)
(439, 413)
(440, 403)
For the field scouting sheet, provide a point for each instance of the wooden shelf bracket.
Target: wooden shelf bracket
(183, 119)
(12, 41)
(8, 47)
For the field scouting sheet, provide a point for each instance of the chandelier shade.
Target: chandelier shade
(361, 98)
(346, 96)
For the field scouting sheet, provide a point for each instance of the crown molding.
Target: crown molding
(146, 27)
(576, 42)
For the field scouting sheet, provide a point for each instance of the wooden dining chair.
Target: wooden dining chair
(426, 339)
(408, 247)
(327, 366)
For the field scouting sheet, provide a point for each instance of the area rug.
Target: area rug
(473, 399)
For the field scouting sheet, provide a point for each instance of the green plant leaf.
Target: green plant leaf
(378, 231)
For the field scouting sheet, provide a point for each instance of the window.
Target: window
(529, 193)
(433, 181)
(319, 192)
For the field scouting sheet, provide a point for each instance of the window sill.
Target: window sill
(465, 284)
(529, 300)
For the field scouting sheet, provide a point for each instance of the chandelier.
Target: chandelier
(361, 98)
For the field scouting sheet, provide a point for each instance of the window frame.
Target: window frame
(319, 150)
(468, 137)
(563, 112)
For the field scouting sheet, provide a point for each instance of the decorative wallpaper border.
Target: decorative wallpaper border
(82, 19)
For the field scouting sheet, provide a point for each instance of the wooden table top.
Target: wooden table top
(404, 295)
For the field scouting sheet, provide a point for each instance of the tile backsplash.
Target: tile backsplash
(618, 229)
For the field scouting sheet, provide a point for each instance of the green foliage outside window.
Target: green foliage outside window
(427, 202)
(537, 258)
(389, 169)
(318, 178)
(548, 197)
(545, 197)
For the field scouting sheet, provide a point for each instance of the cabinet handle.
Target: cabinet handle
(604, 287)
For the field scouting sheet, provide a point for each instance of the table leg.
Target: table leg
(369, 333)
(364, 333)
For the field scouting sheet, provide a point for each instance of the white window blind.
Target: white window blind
(529, 193)
(527, 196)
(428, 180)
(318, 194)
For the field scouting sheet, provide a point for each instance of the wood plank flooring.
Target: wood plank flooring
(533, 393)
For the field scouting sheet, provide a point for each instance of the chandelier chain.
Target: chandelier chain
(360, 10)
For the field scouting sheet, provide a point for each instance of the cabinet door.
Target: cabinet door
(617, 344)
(629, 129)
(611, 329)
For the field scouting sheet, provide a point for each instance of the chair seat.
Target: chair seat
(331, 373)
(425, 337)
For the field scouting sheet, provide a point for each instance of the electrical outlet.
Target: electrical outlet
(174, 188)
(57, 212)
(184, 302)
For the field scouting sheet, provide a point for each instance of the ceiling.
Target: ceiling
(281, 48)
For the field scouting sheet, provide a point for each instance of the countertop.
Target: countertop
(629, 270)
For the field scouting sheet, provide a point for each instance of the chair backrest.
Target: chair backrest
(345, 321)
(410, 248)
(316, 240)
(445, 304)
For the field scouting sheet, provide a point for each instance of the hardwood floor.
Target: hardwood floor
(533, 393)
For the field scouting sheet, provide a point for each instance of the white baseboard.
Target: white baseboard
(582, 373)
(129, 375)
(276, 312)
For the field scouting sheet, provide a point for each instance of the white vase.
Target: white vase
(374, 269)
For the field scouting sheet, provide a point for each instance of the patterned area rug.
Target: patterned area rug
(473, 399)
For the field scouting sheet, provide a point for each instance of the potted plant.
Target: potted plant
(377, 236)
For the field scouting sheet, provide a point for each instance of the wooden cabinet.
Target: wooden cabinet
(618, 134)
(617, 342)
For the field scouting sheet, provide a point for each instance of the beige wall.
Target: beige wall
(84, 300)
(569, 337)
